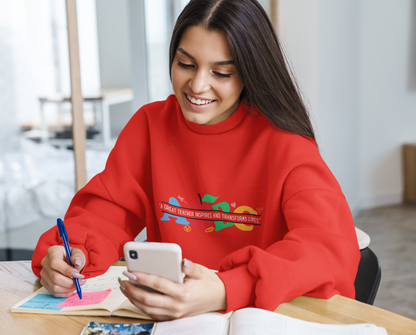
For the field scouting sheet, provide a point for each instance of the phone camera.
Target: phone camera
(133, 254)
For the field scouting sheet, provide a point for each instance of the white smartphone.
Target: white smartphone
(160, 259)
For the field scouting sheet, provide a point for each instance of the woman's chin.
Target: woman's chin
(195, 119)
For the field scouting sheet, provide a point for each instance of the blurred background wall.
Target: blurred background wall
(355, 62)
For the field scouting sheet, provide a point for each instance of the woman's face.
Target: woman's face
(204, 77)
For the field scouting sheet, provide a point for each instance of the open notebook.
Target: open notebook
(101, 296)
(255, 321)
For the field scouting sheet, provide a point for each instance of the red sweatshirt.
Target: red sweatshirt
(256, 203)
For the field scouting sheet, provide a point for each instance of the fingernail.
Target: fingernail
(186, 263)
(122, 284)
(82, 282)
(124, 292)
(129, 275)
(77, 275)
(78, 261)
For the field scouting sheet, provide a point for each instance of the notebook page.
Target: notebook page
(203, 324)
(253, 321)
(104, 282)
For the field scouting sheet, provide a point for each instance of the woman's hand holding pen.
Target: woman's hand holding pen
(57, 275)
(202, 291)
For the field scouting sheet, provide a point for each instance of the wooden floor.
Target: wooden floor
(393, 239)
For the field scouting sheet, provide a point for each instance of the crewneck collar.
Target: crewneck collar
(231, 122)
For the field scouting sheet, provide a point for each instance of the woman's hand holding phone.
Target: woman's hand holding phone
(201, 291)
(57, 275)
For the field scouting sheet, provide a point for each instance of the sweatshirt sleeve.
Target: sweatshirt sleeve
(318, 256)
(112, 208)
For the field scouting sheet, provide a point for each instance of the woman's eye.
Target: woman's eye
(185, 66)
(191, 66)
(222, 75)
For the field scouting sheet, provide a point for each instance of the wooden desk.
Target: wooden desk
(17, 281)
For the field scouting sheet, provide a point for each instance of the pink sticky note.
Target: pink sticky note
(88, 298)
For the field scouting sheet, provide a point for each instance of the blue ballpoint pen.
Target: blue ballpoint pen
(62, 232)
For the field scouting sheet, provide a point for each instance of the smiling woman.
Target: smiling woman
(204, 78)
(257, 57)
(227, 168)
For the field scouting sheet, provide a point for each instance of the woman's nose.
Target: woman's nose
(199, 82)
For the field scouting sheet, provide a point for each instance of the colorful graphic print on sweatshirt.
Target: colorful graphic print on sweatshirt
(210, 214)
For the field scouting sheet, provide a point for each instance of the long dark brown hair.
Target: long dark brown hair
(258, 57)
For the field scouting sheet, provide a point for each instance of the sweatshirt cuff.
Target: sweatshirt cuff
(85, 252)
(240, 287)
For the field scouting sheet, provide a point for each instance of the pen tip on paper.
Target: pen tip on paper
(79, 294)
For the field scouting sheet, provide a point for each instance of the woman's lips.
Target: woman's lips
(198, 104)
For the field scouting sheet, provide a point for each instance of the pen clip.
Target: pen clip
(62, 230)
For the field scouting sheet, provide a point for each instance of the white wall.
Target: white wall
(322, 48)
(388, 100)
(352, 61)
(116, 55)
(298, 33)
(113, 43)
(338, 92)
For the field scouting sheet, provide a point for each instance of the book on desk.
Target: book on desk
(102, 297)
